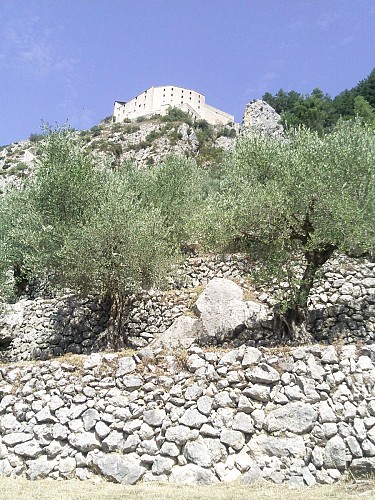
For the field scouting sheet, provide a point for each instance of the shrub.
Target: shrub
(36, 137)
(177, 115)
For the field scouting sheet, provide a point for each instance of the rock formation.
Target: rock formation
(261, 117)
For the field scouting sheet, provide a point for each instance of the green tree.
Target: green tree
(366, 88)
(363, 109)
(108, 233)
(315, 111)
(291, 204)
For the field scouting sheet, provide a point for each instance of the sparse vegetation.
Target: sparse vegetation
(36, 137)
(24, 489)
(177, 115)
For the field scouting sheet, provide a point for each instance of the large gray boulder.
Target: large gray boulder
(223, 313)
(10, 321)
(40, 468)
(119, 468)
(298, 418)
(262, 118)
(335, 454)
(181, 334)
(192, 474)
(263, 445)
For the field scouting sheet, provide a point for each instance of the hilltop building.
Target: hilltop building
(157, 100)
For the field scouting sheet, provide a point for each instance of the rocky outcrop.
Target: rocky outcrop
(11, 318)
(224, 314)
(261, 117)
(300, 416)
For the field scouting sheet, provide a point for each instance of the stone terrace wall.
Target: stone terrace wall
(300, 417)
(43, 328)
(342, 307)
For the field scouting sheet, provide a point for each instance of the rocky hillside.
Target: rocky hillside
(146, 142)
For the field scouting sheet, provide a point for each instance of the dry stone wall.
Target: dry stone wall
(41, 328)
(342, 307)
(302, 416)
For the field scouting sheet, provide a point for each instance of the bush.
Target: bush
(177, 115)
(36, 137)
(202, 124)
(96, 130)
(130, 129)
(227, 132)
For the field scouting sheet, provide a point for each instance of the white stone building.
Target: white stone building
(157, 100)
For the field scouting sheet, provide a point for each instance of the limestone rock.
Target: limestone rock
(10, 322)
(243, 422)
(125, 366)
(260, 117)
(198, 453)
(192, 474)
(263, 445)
(221, 310)
(193, 418)
(234, 439)
(263, 374)
(251, 357)
(119, 468)
(181, 334)
(335, 454)
(30, 449)
(5, 468)
(154, 418)
(252, 475)
(298, 418)
(84, 441)
(17, 437)
(179, 434)
(162, 465)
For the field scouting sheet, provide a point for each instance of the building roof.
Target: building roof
(158, 87)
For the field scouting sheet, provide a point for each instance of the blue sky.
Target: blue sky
(68, 60)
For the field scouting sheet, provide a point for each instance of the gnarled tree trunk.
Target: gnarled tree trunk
(116, 337)
(291, 324)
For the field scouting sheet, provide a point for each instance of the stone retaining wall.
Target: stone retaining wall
(301, 417)
(41, 328)
(342, 306)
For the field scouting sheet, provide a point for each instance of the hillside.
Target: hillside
(178, 361)
(144, 142)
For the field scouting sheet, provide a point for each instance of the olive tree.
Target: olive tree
(97, 231)
(293, 203)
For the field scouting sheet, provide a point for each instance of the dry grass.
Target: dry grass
(22, 489)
